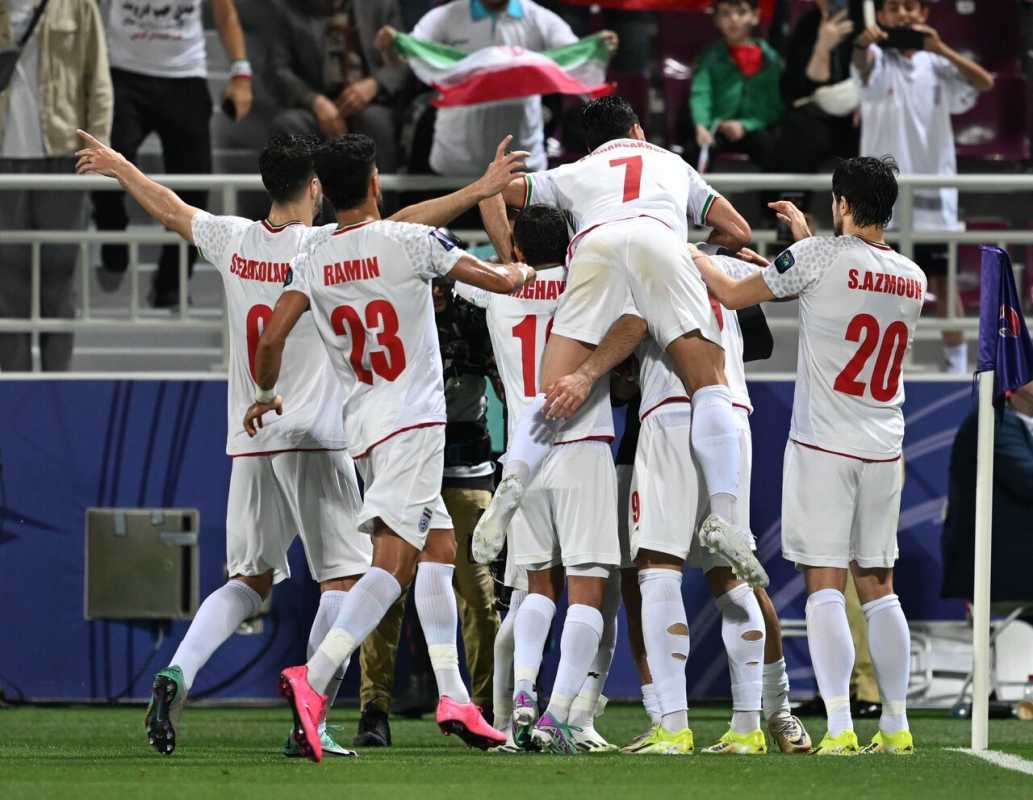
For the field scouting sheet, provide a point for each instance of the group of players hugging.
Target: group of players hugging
(335, 367)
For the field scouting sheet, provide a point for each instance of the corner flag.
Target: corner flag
(1004, 343)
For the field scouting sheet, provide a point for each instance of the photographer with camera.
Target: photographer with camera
(912, 82)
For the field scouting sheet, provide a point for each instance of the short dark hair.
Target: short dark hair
(345, 168)
(287, 165)
(869, 186)
(607, 118)
(542, 235)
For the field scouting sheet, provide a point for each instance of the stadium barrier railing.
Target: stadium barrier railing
(227, 189)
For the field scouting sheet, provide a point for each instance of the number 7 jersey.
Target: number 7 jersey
(859, 306)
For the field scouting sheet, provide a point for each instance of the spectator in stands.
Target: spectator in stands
(465, 137)
(909, 97)
(330, 77)
(819, 93)
(60, 83)
(735, 88)
(1012, 505)
(160, 73)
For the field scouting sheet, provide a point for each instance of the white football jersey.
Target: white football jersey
(859, 305)
(369, 286)
(623, 179)
(254, 260)
(519, 325)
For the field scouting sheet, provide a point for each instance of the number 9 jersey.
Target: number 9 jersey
(369, 286)
(859, 305)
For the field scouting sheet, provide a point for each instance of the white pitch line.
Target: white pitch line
(998, 759)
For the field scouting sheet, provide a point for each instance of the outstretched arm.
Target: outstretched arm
(731, 293)
(442, 210)
(566, 396)
(159, 201)
(497, 278)
(730, 229)
(496, 225)
(269, 356)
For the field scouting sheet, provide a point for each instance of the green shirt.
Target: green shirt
(721, 92)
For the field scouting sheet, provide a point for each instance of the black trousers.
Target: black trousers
(179, 110)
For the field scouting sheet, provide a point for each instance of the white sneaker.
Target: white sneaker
(789, 734)
(721, 539)
(510, 746)
(490, 534)
(589, 740)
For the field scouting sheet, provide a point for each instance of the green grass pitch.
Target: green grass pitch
(80, 753)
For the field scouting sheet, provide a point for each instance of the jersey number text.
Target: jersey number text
(381, 316)
(527, 332)
(255, 315)
(632, 176)
(864, 328)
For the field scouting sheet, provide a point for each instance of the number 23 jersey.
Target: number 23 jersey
(253, 259)
(369, 286)
(859, 306)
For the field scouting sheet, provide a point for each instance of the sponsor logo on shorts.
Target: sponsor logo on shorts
(424, 525)
(784, 261)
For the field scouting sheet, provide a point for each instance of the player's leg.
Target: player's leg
(590, 702)
(786, 728)
(665, 631)
(530, 632)
(505, 642)
(439, 615)
(632, 599)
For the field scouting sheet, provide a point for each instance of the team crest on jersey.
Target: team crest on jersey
(424, 525)
(290, 277)
(444, 239)
(784, 261)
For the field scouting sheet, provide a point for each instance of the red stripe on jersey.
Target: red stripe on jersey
(277, 228)
(668, 401)
(288, 450)
(876, 245)
(747, 409)
(366, 452)
(599, 438)
(847, 455)
(354, 227)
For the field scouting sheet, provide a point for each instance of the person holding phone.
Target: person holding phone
(912, 82)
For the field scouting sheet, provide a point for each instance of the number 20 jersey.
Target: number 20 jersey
(369, 286)
(859, 306)
(253, 259)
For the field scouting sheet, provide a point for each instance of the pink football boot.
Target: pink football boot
(466, 722)
(308, 707)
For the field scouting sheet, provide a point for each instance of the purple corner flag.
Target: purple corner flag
(1004, 343)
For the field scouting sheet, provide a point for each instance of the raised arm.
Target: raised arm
(442, 210)
(731, 293)
(231, 34)
(730, 229)
(497, 278)
(269, 356)
(163, 204)
(496, 225)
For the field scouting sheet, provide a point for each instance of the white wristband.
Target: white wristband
(240, 69)
(265, 395)
(527, 272)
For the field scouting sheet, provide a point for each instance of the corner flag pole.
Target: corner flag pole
(981, 584)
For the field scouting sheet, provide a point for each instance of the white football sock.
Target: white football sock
(502, 680)
(330, 603)
(361, 611)
(579, 644)
(956, 356)
(717, 447)
(742, 630)
(889, 642)
(665, 631)
(776, 690)
(832, 655)
(650, 703)
(219, 616)
(585, 707)
(436, 607)
(530, 631)
(531, 442)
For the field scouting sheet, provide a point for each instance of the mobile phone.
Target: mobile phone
(903, 39)
(229, 109)
(835, 6)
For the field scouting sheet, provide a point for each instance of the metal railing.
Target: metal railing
(227, 188)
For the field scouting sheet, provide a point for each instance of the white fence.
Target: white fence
(228, 187)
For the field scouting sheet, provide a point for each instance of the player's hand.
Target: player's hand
(502, 170)
(98, 158)
(932, 42)
(331, 123)
(611, 39)
(385, 38)
(732, 130)
(238, 92)
(357, 96)
(253, 417)
(793, 217)
(873, 34)
(525, 274)
(833, 31)
(566, 396)
(703, 136)
(752, 257)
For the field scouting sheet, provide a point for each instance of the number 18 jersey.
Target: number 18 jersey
(253, 259)
(859, 306)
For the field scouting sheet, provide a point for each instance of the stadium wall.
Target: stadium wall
(69, 445)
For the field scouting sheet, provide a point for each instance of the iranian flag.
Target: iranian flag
(506, 73)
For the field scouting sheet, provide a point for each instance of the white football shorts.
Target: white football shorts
(568, 515)
(837, 509)
(274, 498)
(402, 485)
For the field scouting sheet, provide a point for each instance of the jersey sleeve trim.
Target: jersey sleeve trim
(706, 208)
(528, 191)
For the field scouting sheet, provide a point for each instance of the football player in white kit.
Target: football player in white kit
(368, 286)
(295, 478)
(555, 529)
(630, 202)
(859, 305)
